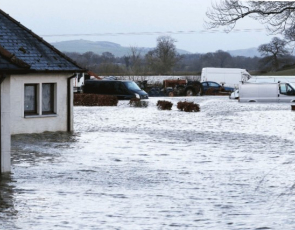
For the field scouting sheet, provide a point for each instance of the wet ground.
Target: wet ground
(230, 166)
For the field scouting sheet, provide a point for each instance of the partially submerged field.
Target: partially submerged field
(229, 166)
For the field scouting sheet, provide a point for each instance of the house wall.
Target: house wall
(71, 100)
(39, 123)
(5, 126)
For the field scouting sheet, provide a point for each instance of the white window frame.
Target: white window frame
(39, 110)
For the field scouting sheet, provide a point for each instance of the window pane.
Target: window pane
(30, 98)
(119, 88)
(212, 84)
(289, 90)
(132, 86)
(283, 88)
(47, 98)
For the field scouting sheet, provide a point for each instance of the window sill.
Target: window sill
(40, 116)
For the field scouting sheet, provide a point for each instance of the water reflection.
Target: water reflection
(32, 156)
(35, 148)
(7, 209)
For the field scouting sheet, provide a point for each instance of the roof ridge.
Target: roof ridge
(40, 39)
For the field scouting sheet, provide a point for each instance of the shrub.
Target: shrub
(136, 102)
(180, 105)
(84, 99)
(164, 105)
(188, 106)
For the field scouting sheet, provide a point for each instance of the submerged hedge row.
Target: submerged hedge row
(83, 99)
(107, 100)
(181, 105)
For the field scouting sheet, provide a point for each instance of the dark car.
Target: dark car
(215, 87)
(124, 90)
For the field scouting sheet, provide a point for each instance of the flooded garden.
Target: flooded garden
(229, 166)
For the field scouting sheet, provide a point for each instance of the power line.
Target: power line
(156, 33)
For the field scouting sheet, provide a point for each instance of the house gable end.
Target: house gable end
(25, 49)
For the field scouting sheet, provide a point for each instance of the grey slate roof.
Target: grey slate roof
(22, 50)
(6, 65)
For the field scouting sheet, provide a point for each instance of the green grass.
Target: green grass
(287, 72)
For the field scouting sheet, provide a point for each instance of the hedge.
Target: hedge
(164, 105)
(188, 106)
(83, 99)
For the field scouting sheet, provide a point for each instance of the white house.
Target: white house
(36, 91)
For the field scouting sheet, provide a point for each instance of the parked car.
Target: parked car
(215, 87)
(267, 92)
(124, 90)
(264, 79)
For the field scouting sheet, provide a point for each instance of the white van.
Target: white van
(264, 79)
(225, 76)
(271, 79)
(267, 92)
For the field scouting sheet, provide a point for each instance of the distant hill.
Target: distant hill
(98, 47)
(251, 52)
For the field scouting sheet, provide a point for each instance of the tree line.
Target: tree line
(164, 60)
(278, 16)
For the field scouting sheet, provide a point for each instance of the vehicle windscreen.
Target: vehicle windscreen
(245, 77)
(132, 86)
(287, 89)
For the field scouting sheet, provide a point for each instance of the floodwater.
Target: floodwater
(230, 166)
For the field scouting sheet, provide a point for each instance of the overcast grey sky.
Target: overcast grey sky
(59, 17)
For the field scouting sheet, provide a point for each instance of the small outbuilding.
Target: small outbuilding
(36, 87)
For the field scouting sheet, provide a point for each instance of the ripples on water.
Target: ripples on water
(229, 167)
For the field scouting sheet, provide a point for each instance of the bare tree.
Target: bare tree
(164, 57)
(274, 52)
(107, 57)
(290, 34)
(277, 15)
(135, 60)
(223, 58)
